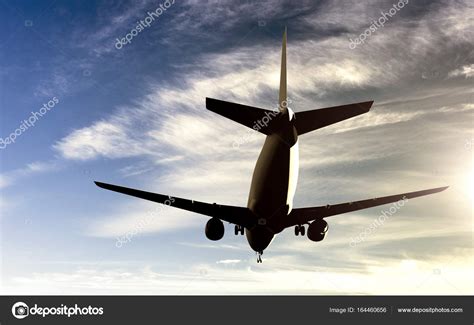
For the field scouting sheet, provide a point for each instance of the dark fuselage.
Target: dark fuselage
(274, 182)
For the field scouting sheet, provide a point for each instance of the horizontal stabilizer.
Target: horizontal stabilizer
(255, 118)
(319, 118)
(305, 215)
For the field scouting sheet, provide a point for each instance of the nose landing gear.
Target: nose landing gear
(259, 257)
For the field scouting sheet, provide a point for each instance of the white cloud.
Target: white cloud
(110, 139)
(279, 275)
(466, 71)
(145, 218)
(40, 166)
(228, 261)
(10, 177)
(167, 111)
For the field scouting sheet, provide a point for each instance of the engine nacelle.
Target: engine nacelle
(317, 230)
(214, 229)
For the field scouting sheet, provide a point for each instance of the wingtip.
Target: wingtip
(365, 106)
(438, 189)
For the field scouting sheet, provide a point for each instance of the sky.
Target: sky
(77, 104)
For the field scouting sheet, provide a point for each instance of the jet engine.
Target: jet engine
(214, 229)
(317, 230)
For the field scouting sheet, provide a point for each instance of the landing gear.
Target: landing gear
(239, 230)
(259, 257)
(300, 230)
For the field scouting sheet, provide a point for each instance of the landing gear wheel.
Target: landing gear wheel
(238, 230)
(300, 230)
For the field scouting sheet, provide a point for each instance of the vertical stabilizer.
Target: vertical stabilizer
(283, 97)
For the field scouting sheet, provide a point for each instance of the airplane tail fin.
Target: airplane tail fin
(315, 119)
(282, 98)
(262, 120)
(253, 117)
(319, 118)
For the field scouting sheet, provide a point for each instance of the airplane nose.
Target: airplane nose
(259, 237)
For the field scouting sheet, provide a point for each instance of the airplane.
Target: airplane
(269, 208)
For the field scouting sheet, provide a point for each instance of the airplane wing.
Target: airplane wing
(236, 215)
(305, 215)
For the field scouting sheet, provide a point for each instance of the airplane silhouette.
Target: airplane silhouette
(270, 204)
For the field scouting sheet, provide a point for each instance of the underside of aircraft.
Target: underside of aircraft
(270, 204)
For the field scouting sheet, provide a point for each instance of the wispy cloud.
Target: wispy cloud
(9, 178)
(172, 117)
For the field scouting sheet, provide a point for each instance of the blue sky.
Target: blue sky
(136, 116)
